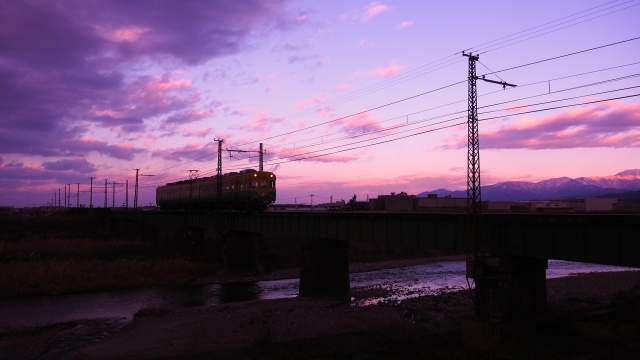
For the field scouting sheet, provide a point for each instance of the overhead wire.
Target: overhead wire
(390, 82)
(406, 76)
(495, 104)
(508, 43)
(354, 146)
(311, 156)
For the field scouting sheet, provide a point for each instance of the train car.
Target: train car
(245, 190)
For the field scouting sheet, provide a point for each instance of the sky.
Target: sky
(347, 97)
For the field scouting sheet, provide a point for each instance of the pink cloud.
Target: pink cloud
(261, 123)
(303, 154)
(405, 24)
(359, 124)
(614, 125)
(80, 147)
(372, 10)
(313, 100)
(189, 151)
(123, 34)
(342, 87)
(165, 83)
(381, 72)
(198, 132)
(189, 116)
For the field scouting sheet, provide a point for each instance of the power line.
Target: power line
(563, 56)
(311, 155)
(493, 48)
(545, 24)
(443, 62)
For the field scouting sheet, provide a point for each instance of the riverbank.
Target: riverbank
(65, 254)
(595, 314)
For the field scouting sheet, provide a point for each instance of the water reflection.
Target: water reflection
(239, 291)
(400, 283)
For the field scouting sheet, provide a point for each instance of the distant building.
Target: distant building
(432, 203)
(394, 202)
(593, 204)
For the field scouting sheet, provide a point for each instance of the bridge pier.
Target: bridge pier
(509, 288)
(324, 269)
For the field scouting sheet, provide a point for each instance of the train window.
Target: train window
(272, 184)
(263, 184)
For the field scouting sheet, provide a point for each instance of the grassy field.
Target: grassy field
(66, 254)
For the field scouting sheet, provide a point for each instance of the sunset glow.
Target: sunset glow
(347, 98)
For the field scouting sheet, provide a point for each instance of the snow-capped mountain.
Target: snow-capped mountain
(563, 187)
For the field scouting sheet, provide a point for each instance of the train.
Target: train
(244, 190)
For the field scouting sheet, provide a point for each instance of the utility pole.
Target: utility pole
(261, 159)
(219, 174)
(69, 196)
(105, 194)
(126, 197)
(193, 174)
(312, 200)
(65, 196)
(477, 246)
(113, 195)
(78, 196)
(91, 193)
(135, 193)
(260, 156)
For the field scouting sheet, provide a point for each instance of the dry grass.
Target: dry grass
(69, 276)
(61, 255)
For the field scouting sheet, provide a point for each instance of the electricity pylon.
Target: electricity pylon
(477, 246)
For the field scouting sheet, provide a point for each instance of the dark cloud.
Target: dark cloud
(192, 151)
(77, 164)
(64, 62)
(188, 117)
(614, 125)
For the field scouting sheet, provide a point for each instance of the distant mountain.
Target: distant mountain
(557, 188)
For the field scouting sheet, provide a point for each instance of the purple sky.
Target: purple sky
(348, 97)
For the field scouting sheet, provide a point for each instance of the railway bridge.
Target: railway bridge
(513, 277)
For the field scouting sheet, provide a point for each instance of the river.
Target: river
(426, 279)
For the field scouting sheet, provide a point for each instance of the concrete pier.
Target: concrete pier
(324, 269)
(509, 288)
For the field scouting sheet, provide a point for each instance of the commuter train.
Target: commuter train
(245, 190)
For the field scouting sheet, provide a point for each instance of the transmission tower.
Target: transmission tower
(474, 196)
(477, 246)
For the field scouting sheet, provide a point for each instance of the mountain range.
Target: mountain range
(556, 188)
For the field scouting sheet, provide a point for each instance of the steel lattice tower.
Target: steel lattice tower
(474, 196)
